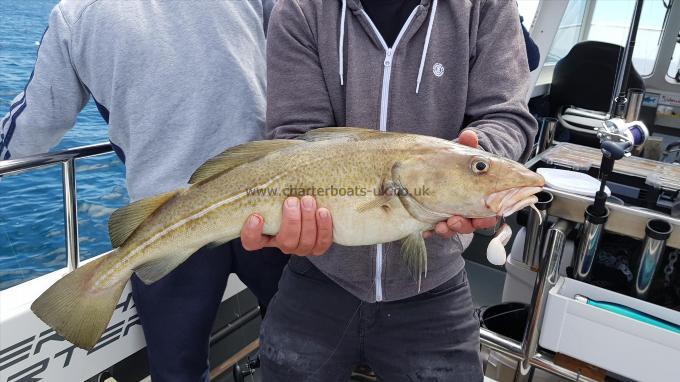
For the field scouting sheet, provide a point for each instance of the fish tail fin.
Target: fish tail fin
(75, 310)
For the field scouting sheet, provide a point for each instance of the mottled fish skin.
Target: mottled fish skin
(216, 210)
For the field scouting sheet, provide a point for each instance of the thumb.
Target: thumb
(468, 138)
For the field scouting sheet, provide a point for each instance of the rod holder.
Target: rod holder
(534, 230)
(590, 234)
(548, 274)
(546, 134)
(635, 97)
(657, 232)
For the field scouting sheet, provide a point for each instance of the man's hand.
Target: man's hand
(305, 230)
(459, 224)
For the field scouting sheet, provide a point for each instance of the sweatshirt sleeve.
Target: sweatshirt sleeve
(297, 99)
(498, 83)
(47, 108)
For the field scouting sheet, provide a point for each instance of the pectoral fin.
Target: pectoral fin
(378, 201)
(388, 193)
(414, 253)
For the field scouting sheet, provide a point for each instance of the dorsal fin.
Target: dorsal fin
(238, 155)
(345, 133)
(124, 221)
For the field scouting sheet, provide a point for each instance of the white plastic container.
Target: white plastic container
(619, 344)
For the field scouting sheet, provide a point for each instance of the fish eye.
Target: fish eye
(479, 166)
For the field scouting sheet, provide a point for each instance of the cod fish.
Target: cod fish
(388, 187)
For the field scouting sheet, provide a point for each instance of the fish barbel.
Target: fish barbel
(380, 187)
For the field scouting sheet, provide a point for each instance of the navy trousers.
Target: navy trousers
(178, 311)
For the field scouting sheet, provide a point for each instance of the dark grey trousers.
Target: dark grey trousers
(316, 331)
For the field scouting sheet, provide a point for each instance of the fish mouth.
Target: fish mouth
(507, 202)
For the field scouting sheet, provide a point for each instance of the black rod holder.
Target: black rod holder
(596, 214)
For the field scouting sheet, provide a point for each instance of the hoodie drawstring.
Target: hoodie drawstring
(427, 44)
(341, 43)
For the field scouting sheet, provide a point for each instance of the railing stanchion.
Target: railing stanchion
(67, 160)
(70, 213)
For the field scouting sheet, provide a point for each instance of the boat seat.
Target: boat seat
(582, 88)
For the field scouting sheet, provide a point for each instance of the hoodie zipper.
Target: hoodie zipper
(384, 98)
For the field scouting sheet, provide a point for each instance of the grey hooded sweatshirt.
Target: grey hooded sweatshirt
(455, 64)
(177, 81)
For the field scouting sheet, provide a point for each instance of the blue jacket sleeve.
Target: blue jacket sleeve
(54, 95)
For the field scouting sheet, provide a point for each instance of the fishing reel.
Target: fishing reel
(629, 135)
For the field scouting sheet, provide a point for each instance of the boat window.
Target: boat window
(674, 67)
(528, 9)
(611, 21)
(569, 31)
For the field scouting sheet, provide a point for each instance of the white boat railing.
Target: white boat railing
(67, 159)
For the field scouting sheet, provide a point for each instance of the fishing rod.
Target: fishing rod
(617, 137)
(619, 100)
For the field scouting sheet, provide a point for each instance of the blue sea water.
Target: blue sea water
(31, 203)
